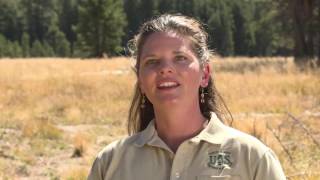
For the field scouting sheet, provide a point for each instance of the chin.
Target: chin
(167, 101)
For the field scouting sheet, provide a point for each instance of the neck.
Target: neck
(175, 125)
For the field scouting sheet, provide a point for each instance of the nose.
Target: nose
(165, 68)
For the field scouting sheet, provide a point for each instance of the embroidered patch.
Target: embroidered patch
(219, 160)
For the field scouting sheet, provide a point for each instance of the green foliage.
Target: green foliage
(167, 6)
(134, 20)
(265, 34)
(14, 49)
(39, 49)
(62, 49)
(68, 18)
(9, 48)
(10, 19)
(48, 51)
(244, 39)
(220, 26)
(97, 27)
(101, 26)
(3, 43)
(186, 7)
(40, 17)
(25, 45)
(60, 45)
(147, 9)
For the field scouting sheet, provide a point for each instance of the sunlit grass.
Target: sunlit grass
(55, 107)
(75, 173)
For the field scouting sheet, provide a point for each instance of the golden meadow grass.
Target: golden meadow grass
(50, 108)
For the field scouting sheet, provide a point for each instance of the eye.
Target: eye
(151, 61)
(181, 58)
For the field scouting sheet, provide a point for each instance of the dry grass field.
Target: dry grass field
(56, 114)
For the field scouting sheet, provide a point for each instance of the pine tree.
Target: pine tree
(48, 51)
(40, 17)
(9, 48)
(10, 19)
(3, 46)
(220, 25)
(62, 49)
(243, 35)
(68, 18)
(266, 35)
(167, 6)
(25, 45)
(57, 40)
(305, 29)
(300, 22)
(186, 7)
(101, 26)
(131, 7)
(37, 49)
(16, 50)
(148, 9)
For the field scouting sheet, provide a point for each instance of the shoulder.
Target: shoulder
(248, 144)
(232, 139)
(259, 158)
(109, 157)
(118, 146)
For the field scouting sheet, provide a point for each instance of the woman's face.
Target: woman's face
(169, 70)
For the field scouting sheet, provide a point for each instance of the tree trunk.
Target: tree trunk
(303, 31)
(318, 32)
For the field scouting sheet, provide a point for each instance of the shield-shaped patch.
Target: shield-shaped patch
(219, 160)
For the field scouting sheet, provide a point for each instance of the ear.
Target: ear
(206, 71)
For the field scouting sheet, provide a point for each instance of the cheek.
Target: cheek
(195, 78)
(194, 74)
(145, 80)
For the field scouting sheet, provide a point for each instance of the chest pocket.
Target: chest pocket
(226, 177)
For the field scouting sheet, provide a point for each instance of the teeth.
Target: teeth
(168, 84)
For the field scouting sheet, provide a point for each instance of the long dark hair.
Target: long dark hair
(188, 27)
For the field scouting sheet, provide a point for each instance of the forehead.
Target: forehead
(159, 41)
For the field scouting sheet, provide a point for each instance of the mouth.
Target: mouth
(167, 85)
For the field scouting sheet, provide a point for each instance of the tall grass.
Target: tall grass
(58, 106)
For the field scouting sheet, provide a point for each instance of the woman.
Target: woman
(174, 119)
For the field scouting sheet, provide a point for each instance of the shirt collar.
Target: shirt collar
(150, 136)
(215, 132)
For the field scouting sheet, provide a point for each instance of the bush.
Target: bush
(41, 50)
(9, 48)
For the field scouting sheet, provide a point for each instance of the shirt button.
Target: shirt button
(177, 175)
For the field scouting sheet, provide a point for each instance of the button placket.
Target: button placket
(177, 175)
(181, 161)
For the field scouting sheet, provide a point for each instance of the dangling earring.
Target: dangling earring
(143, 102)
(202, 96)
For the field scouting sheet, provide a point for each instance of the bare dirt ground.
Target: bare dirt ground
(57, 159)
(53, 159)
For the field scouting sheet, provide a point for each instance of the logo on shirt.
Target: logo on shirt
(219, 160)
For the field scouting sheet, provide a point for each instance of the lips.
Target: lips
(167, 84)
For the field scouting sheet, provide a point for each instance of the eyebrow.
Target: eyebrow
(153, 55)
(148, 56)
(178, 52)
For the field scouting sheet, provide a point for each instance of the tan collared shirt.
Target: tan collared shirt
(217, 152)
